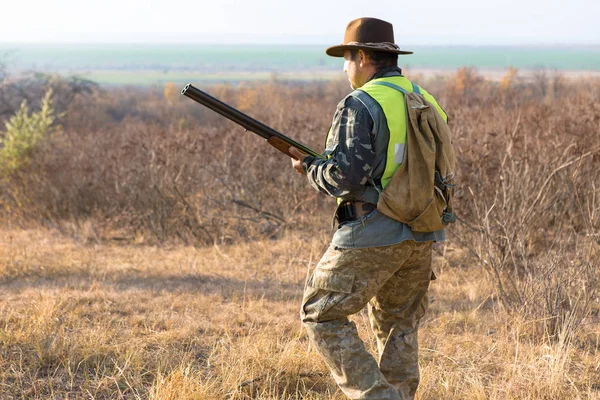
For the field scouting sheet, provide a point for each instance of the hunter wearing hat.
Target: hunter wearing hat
(373, 260)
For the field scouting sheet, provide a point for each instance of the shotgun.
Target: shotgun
(274, 138)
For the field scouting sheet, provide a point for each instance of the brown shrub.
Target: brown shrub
(138, 165)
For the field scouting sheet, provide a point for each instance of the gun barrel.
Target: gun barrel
(228, 112)
(240, 118)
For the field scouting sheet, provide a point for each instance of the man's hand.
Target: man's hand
(297, 161)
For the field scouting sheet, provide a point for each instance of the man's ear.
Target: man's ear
(362, 58)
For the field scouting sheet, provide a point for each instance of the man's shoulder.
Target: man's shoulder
(351, 102)
(351, 105)
(362, 102)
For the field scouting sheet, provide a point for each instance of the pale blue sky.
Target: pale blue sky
(300, 22)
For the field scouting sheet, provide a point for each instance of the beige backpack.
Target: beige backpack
(420, 191)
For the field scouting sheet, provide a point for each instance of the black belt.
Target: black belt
(353, 210)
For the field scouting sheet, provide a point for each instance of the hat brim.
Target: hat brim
(338, 51)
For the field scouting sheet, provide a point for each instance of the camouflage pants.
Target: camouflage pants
(393, 281)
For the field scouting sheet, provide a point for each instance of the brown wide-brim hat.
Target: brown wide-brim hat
(370, 34)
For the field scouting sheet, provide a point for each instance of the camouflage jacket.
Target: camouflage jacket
(348, 172)
(356, 164)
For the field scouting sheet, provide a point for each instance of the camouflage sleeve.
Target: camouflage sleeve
(350, 150)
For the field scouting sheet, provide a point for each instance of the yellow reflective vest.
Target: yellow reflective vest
(377, 97)
(392, 104)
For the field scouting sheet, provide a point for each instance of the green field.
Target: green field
(157, 63)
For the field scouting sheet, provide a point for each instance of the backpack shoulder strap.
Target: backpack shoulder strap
(415, 87)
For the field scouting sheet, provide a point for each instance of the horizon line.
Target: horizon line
(278, 44)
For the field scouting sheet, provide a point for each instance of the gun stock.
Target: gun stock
(273, 137)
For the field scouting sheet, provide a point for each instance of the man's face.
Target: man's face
(351, 68)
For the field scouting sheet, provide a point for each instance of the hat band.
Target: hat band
(381, 45)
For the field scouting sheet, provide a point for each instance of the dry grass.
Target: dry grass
(138, 322)
(108, 322)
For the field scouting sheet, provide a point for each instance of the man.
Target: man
(373, 260)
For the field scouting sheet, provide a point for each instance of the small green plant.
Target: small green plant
(24, 133)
